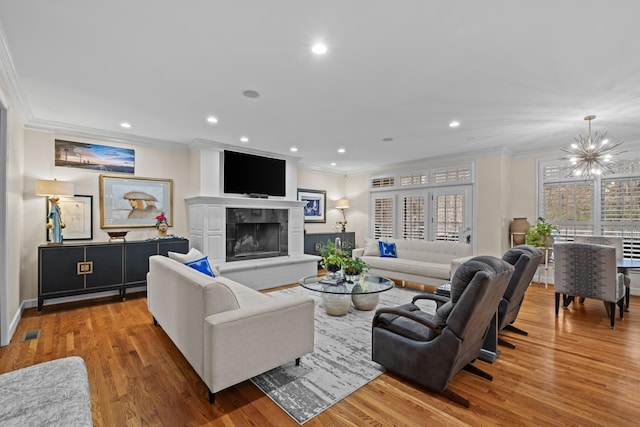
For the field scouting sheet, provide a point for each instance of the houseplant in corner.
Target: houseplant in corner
(541, 234)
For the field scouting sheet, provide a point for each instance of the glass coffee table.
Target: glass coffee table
(364, 291)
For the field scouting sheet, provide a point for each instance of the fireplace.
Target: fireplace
(256, 233)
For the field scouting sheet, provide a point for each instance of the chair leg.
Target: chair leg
(212, 397)
(505, 343)
(516, 330)
(612, 311)
(622, 308)
(477, 371)
(557, 303)
(627, 297)
(455, 397)
(298, 361)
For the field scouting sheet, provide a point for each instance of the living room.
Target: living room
(505, 184)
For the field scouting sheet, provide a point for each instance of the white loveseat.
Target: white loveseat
(418, 261)
(226, 331)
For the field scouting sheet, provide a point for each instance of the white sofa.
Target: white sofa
(226, 331)
(418, 261)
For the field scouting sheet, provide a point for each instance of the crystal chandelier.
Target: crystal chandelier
(592, 156)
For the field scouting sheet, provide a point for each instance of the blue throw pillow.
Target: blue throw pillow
(202, 265)
(387, 250)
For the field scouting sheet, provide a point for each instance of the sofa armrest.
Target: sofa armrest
(455, 263)
(240, 344)
(357, 252)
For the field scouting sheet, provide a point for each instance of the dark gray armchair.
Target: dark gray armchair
(525, 260)
(430, 349)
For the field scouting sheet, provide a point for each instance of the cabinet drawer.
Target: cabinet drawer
(61, 265)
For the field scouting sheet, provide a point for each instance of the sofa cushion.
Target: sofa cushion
(202, 265)
(433, 251)
(387, 250)
(409, 266)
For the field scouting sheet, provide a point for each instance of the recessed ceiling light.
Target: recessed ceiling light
(251, 93)
(244, 139)
(293, 149)
(341, 150)
(388, 139)
(333, 163)
(125, 125)
(212, 119)
(454, 124)
(319, 48)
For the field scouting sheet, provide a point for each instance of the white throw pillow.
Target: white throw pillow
(192, 255)
(371, 247)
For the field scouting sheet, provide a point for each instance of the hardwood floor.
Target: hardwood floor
(571, 371)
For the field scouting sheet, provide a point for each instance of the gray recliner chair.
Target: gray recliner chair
(525, 260)
(431, 349)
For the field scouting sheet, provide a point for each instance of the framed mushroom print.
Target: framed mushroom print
(134, 202)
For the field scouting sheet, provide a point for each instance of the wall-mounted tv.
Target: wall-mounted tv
(254, 175)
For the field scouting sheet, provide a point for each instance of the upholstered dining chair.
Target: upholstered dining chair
(588, 271)
(616, 242)
(430, 349)
(525, 260)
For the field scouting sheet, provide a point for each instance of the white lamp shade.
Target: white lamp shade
(343, 204)
(54, 188)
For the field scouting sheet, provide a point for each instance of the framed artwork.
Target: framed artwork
(94, 156)
(77, 215)
(316, 207)
(134, 202)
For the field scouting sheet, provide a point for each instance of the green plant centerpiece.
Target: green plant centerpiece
(354, 266)
(541, 234)
(332, 257)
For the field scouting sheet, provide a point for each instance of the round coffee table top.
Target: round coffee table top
(361, 285)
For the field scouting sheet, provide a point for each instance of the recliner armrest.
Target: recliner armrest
(409, 315)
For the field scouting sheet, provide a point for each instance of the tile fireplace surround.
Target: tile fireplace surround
(208, 233)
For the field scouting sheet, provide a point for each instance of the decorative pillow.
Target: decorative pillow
(202, 265)
(371, 247)
(192, 255)
(387, 250)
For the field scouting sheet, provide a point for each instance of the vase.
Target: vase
(518, 230)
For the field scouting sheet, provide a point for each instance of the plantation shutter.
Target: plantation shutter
(413, 217)
(383, 217)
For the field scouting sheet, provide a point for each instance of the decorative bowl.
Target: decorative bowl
(116, 235)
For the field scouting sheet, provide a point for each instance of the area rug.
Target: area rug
(340, 364)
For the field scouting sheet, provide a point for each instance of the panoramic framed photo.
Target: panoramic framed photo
(134, 202)
(77, 215)
(316, 208)
(94, 156)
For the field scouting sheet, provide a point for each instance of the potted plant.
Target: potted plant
(354, 266)
(332, 257)
(541, 234)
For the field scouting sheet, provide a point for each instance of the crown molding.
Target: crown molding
(199, 144)
(60, 129)
(9, 81)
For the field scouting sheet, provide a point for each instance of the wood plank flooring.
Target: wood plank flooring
(573, 371)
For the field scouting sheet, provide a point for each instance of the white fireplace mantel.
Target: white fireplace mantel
(207, 233)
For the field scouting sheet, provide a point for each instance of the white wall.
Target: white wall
(39, 149)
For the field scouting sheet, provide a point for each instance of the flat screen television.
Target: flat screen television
(254, 175)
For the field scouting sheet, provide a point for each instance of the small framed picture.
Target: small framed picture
(76, 214)
(316, 208)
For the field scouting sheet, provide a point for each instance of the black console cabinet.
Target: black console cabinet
(74, 269)
(314, 242)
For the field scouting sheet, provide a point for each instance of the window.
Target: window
(432, 204)
(607, 206)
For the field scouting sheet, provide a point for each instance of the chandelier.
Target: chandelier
(592, 155)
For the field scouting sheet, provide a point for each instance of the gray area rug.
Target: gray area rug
(340, 364)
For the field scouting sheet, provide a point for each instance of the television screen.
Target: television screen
(255, 175)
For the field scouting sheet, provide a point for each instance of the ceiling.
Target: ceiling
(518, 75)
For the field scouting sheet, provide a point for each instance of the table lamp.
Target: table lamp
(343, 204)
(53, 189)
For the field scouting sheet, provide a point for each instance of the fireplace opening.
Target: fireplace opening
(256, 233)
